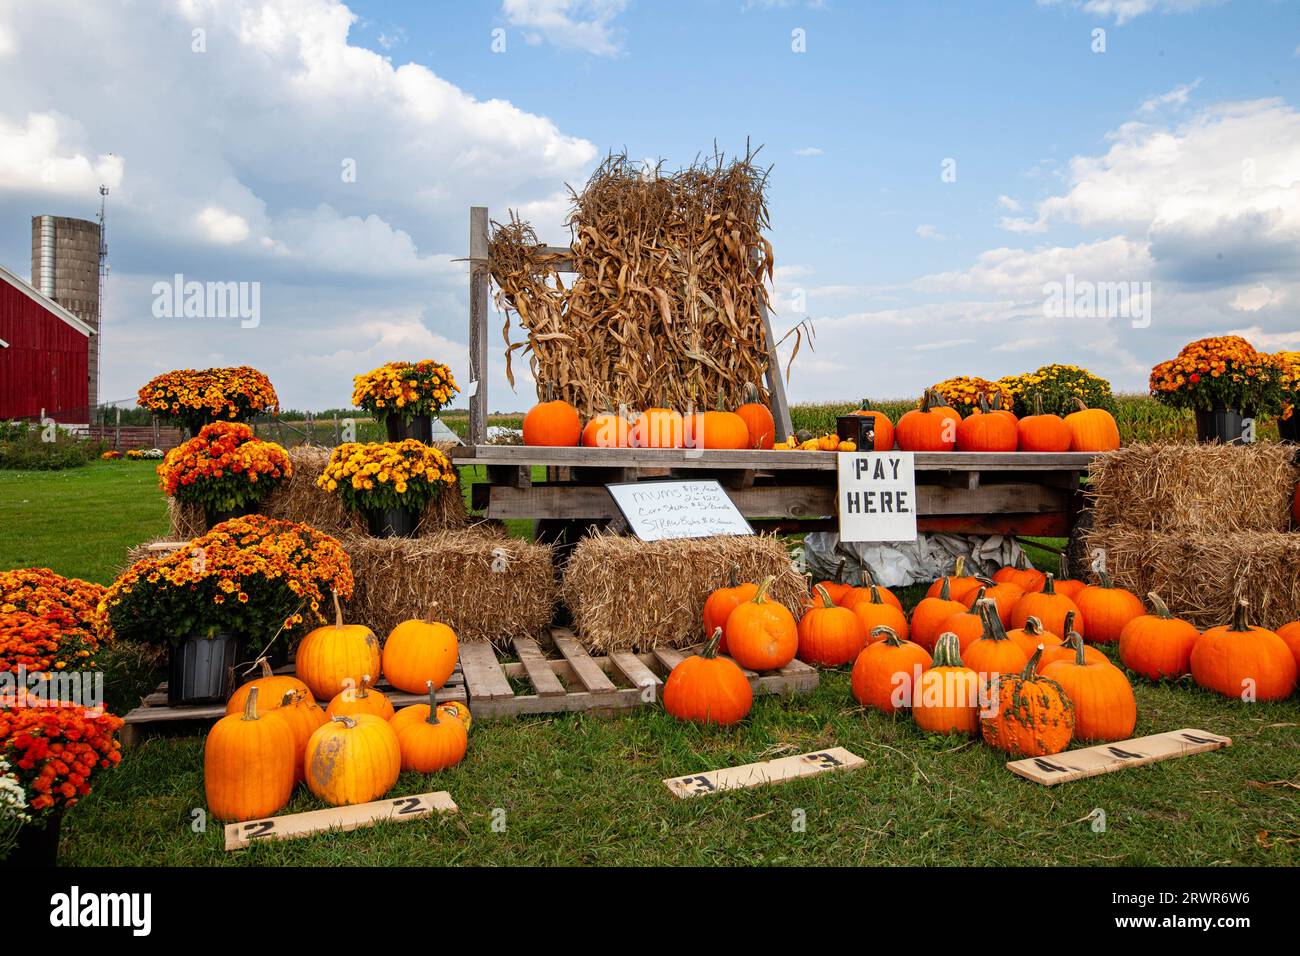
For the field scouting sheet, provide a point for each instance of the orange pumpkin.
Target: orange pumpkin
(1022, 575)
(1107, 609)
(360, 700)
(1040, 432)
(716, 429)
(352, 759)
(876, 611)
(331, 655)
(882, 427)
(931, 614)
(607, 430)
(932, 427)
(758, 422)
(761, 634)
(419, 651)
(708, 689)
(274, 687)
(413, 713)
(248, 764)
(1104, 705)
(1032, 635)
(1158, 645)
(837, 588)
(966, 627)
(863, 593)
(303, 716)
(658, 428)
(719, 605)
(987, 430)
(1030, 716)
(1243, 661)
(1064, 649)
(552, 424)
(1004, 596)
(887, 670)
(435, 743)
(1049, 607)
(959, 583)
(947, 697)
(993, 653)
(830, 635)
(1092, 429)
(1290, 634)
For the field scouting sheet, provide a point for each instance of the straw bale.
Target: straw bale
(630, 594)
(486, 586)
(298, 499)
(1203, 488)
(1201, 576)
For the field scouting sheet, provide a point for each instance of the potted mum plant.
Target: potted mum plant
(1288, 421)
(964, 392)
(48, 754)
(194, 397)
(1224, 381)
(1057, 387)
(390, 482)
(234, 589)
(224, 470)
(405, 396)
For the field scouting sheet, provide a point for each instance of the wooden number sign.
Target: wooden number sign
(294, 825)
(759, 774)
(1106, 758)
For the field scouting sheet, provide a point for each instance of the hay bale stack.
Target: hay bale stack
(1194, 488)
(298, 499)
(1201, 576)
(486, 586)
(627, 594)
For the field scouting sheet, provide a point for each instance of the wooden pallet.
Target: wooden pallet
(576, 681)
(154, 713)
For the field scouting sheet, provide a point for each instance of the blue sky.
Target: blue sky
(1173, 157)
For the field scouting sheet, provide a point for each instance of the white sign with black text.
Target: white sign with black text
(656, 510)
(877, 496)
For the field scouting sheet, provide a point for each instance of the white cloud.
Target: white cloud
(927, 231)
(585, 25)
(1125, 10)
(808, 151)
(222, 227)
(1178, 96)
(1255, 298)
(33, 157)
(1009, 204)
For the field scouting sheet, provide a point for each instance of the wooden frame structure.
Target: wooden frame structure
(480, 279)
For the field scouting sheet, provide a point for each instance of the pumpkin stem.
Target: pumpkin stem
(959, 566)
(1068, 626)
(364, 691)
(345, 720)
(1038, 403)
(993, 629)
(945, 594)
(338, 610)
(761, 596)
(891, 635)
(1048, 586)
(1083, 406)
(287, 699)
(1032, 667)
(947, 651)
(1033, 626)
(711, 648)
(250, 704)
(433, 717)
(266, 667)
(982, 403)
(875, 594)
(1076, 641)
(1103, 580)
(1239, 622)
(839, 571)
(826, 598)
(1020, 562)
(1158, 607)
(979, 596)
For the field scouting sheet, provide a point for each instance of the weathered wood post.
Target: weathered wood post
(478, 308)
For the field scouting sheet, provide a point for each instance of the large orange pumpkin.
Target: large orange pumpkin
(830, 635)
(352, 759)
(1158, 645)
(1092, 429)
(708, 689)
(993, 653)
(932, 427)
(1030, 716)
(875, 611)
(719, 605)
(758, 422)
(1290, 634)
(1104, 705)
(715, 429)
(658, 428)
(332, 655)
(947, 697)
(886, 672)
(959, 582)
(1107, 609)
(435, 743)
(248, 764)
(987, 430)
(1243, 661)
(553, 424)
(274, 686)
(881, 426)
(931, 614)
(761, 634)
(607, 430)
(360, 700)
(419, 651)
(1049, 607)
(1040, 432)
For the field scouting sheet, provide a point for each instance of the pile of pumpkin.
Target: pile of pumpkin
(1011, 657)
(275, 735)
(557, 424)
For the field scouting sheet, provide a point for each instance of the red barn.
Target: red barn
(44, 360)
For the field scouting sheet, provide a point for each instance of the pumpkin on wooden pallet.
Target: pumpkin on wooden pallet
(761, 634)
(607, 430)
(722, 601)
(248, 764)
(886, 671)
(1158, 645)
(830, 635)
(882, 427)
(330, 656)
(947, 697)
(419, 651)
(274, 686)
(1043, 432)
(758, 421)
(435, 743)
(987, 430)
(1030, 716)
(352, 759)
(1244, 661)
(1104, 705)
(708, 689)
(360, 700)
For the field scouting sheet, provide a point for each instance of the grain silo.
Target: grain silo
(65, 267)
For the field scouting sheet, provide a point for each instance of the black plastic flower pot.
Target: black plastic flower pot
(419, 427)
(1220, 424)
(214, 517)
(392, 522)
(1288, 429)
(37, 845)
(202, 669)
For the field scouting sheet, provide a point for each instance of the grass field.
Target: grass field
(582, 791)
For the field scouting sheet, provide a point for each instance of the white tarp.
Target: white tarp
(899, 563)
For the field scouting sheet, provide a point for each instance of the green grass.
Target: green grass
(588, 791)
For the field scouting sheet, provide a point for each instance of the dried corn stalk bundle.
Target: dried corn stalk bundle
(665, 306)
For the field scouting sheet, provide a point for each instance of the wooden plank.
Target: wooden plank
(1107, 758)
(483, 675)
(763, 773)
(668, 658)
(478, 311)
(775, 384)
(295, 825)
(540, 675)
(633, 671)
(603, 704)
(589, 674)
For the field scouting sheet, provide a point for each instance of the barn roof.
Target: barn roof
(48, 304)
